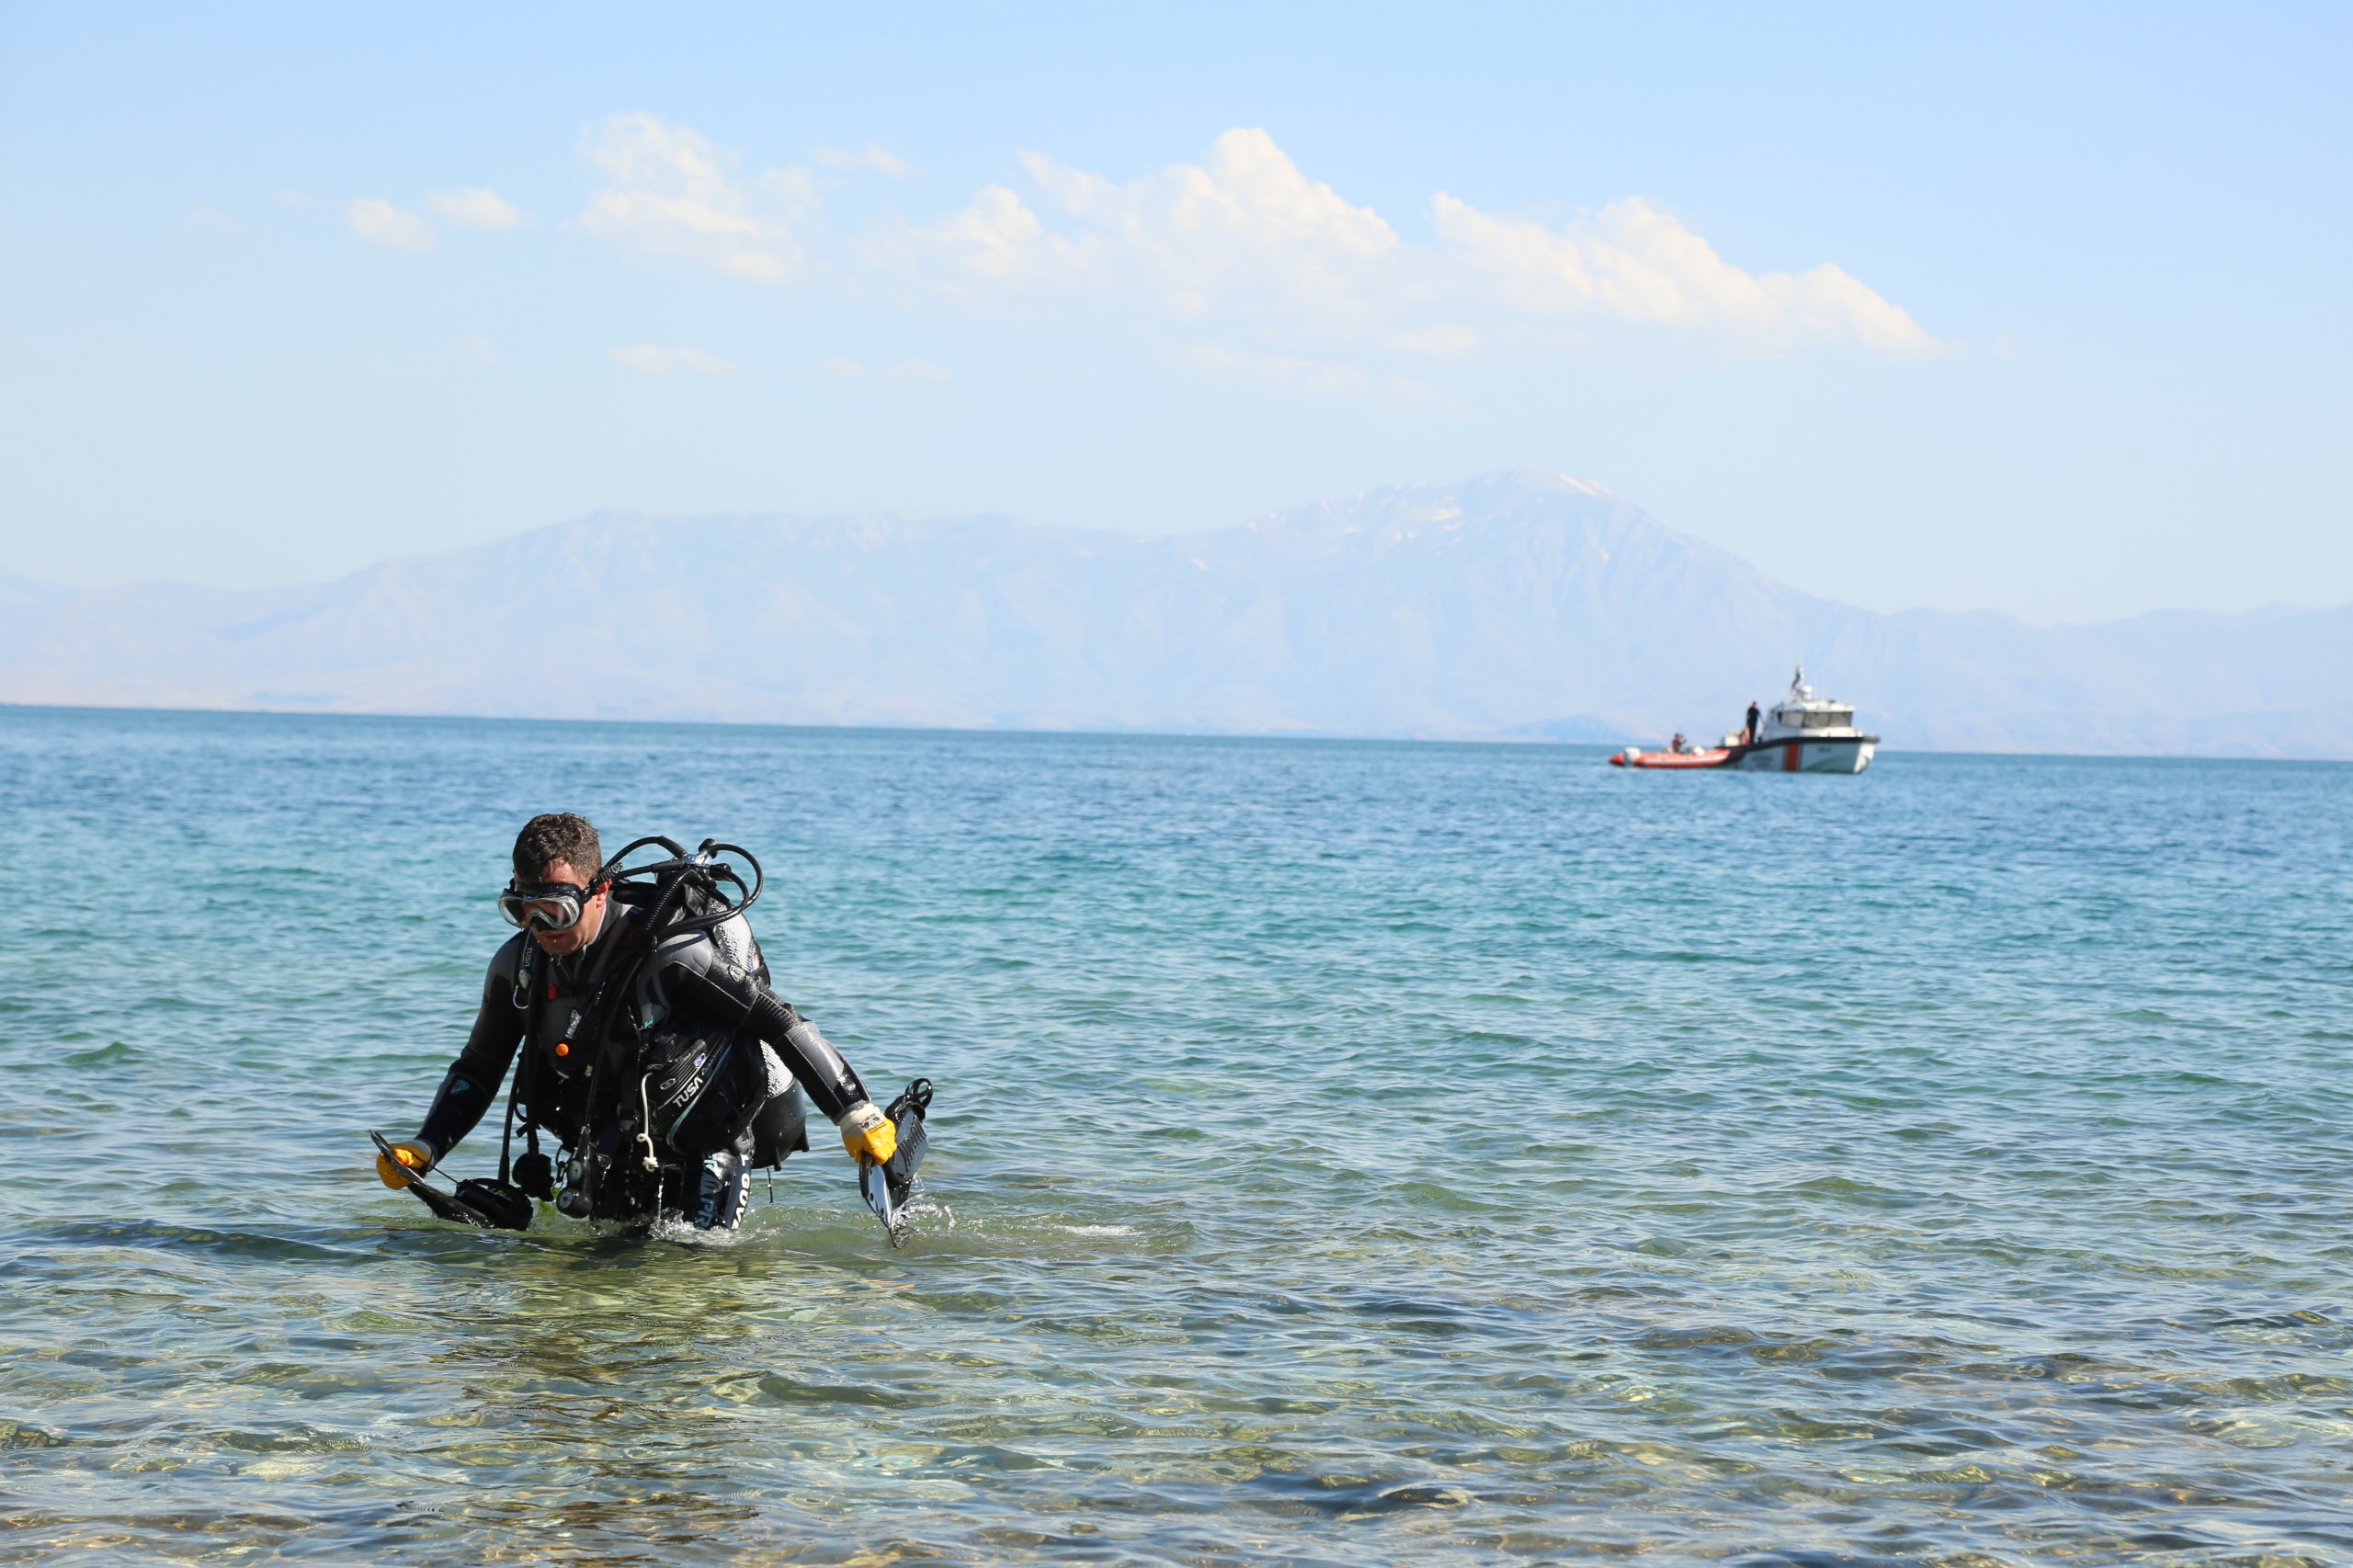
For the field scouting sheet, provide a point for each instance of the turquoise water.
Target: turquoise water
(1344, 1154)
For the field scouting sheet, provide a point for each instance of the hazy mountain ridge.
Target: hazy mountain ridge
(1513, 604)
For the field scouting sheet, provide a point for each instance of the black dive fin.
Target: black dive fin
(487, 1205)
(887, 1186)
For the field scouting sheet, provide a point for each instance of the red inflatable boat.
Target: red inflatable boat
(1706, 757)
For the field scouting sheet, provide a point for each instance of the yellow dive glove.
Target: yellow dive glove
(868, 1134)
(416, 1156)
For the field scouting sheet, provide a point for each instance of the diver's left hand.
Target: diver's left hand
(414, 1154)
(868, 1134)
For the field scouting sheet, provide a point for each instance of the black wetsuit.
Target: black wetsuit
(716, 975)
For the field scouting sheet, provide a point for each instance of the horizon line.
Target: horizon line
(1282, 737)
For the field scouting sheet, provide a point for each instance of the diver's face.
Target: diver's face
(571, 939)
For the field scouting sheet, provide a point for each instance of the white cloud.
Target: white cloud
(1295, 282)
(998, 239)
(647, 359)
(209, 218)
(1246, 229)
(381, 222)
(474, 208)
(871, 159)
(1248, 242)
(1635, 263)
(479, 349)
(671, 193)
(1250, 196)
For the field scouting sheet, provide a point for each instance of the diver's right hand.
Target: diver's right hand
(415, 1154)
(868, 1134)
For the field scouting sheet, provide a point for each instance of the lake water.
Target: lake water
(1343, 1154)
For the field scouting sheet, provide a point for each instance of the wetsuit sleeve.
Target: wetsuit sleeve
(473, 1080)
(726, 994)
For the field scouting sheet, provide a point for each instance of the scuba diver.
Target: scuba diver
(652, 1047)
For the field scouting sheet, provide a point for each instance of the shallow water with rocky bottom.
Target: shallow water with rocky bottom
(1343, 1154)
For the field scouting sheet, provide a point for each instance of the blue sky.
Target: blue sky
(2030, 309)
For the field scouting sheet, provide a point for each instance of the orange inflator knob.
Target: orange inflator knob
(563, 1048)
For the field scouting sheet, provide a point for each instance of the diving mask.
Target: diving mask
(550, 906)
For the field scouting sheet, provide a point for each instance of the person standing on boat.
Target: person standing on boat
(1748, 735)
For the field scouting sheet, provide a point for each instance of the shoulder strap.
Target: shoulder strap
(531, 982)
(527, 1072)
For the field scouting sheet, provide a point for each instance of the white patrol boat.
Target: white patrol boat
(1805, 733)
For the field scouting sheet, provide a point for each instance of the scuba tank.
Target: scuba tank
(675, 1085)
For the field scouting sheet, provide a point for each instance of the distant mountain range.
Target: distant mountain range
(1517, 605)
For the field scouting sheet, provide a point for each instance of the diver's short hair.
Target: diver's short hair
(557, 835)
